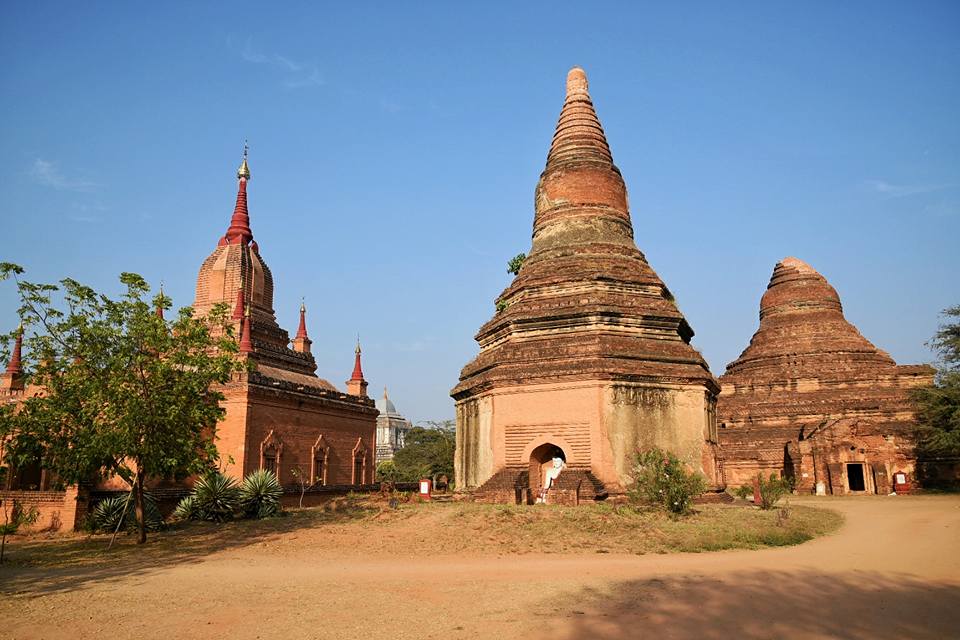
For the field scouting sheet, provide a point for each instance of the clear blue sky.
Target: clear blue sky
(395, 149)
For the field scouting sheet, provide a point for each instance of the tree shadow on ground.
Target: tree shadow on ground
(759, 605)
(35, 566)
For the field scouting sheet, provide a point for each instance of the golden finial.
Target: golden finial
(244, 170)
(358, 344)
(303, 304)
(246, 310)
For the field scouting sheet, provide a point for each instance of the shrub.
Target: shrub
(387, 472)
(108, 513)
(743, 492)
(516, 263)
(216, 497)
(772, 490)
(662, 480)
(186, 509)
(260, 494)
(14, 517)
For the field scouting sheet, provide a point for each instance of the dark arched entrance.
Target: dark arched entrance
(541, 459)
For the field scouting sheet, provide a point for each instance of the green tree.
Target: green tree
(427, 452)
(126, 392)
(938, 406)
(387, 472)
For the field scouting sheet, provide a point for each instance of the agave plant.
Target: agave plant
(260, 494)
(215, 497)
(107, 514)
(186, 509)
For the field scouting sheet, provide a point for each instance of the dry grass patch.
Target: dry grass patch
(365, 525)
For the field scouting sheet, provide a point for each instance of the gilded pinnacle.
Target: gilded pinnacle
(244, 170)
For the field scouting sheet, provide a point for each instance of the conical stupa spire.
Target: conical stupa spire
(357, 369)
(356, 385)
(302, 329)
(238, 307)
(581, 198)
(803, 329)
(796, 289)
(246, 345)
(160, 303)
(239, 231)
(15, 366)
(579, 136)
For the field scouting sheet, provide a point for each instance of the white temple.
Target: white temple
(392, 429)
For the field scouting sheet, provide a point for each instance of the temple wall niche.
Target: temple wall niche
(298, 423)
(671, 418)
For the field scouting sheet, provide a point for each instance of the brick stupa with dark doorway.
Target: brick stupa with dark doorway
(588, 354)
(813, 399)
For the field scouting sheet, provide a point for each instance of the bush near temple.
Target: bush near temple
(662, 480)
(387, 472)
(260, 494)
(743, 492)
(772, 489)
(117, 513)
(217, 498)
(14, 517)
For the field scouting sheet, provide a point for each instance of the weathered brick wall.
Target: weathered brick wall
(298, 422)
(58, 510)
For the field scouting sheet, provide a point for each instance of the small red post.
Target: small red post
(757, 498)
(426, 488)
(900, 483)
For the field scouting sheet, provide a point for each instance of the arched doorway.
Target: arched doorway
(541, 459)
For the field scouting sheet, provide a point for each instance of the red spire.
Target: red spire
(357, 369)
(246, 346)
(302, 329)
(239, 231)
(15, 367)
(160, 303)
(238, 308)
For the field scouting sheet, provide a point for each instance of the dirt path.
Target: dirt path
(893, 571)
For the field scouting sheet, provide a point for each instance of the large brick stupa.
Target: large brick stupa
(813, 399)
(588, 357)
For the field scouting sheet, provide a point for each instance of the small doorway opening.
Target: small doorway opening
(541, 461)
(855, 478)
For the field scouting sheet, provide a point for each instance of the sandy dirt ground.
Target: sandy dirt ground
(892, 571)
